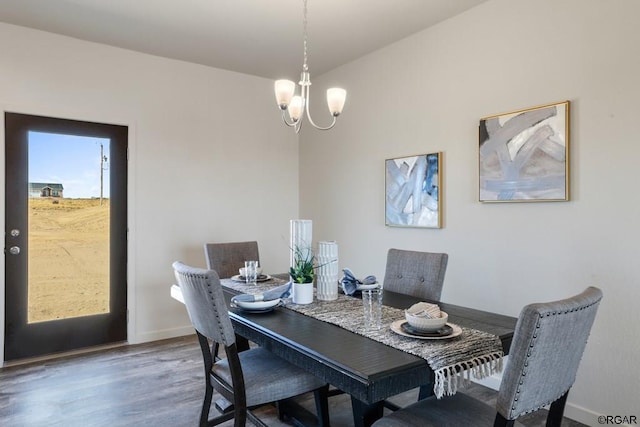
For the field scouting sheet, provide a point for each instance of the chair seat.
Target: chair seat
(451, 411)
(268, 378)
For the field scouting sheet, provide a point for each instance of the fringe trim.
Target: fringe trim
(450, 378)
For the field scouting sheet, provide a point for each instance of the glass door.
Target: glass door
(65, 249)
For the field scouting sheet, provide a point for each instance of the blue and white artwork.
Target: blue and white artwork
(413, 191)
(524, 155)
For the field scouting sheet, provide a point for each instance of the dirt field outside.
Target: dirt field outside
(68, 258)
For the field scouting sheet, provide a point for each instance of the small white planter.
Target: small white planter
(302, 293)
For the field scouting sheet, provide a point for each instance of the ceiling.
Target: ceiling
(258, 37)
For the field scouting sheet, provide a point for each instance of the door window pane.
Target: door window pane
(68, 244)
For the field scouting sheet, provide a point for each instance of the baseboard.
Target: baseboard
(161, 334)
(582, 415)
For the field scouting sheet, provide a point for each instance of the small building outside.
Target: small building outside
(42, 189)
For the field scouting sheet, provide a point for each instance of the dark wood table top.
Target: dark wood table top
(368, 370)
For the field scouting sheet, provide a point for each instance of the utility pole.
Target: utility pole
(103, 159)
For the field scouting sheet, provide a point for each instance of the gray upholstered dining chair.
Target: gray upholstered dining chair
(227, 258)
(548, 344)
(420, 274)
(249, 378)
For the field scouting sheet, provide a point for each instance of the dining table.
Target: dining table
(368, 370)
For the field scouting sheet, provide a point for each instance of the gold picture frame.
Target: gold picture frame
(524, 155)
(413, 191)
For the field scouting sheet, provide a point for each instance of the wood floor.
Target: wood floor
(155, 384)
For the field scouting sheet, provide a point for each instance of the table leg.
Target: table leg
(425, 391)
(364, 414)
(242, 343)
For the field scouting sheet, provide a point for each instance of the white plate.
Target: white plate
(256, 305)
(261, 278)
(396, 327)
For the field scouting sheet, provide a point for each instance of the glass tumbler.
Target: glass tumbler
(372, 308)
(250, 272)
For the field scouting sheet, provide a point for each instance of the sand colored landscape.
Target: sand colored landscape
(68, 258)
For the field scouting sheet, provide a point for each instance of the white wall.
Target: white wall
(427, 93)
(200, 140)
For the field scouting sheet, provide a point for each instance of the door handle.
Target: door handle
(14, 250)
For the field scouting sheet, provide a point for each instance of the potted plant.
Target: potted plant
(303, 269)
(302, 274)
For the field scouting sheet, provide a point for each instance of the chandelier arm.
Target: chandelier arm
(307, 101)
(284, 119)
(295, 125)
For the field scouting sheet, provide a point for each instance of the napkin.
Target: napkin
(350, 284)
(425, 309)
(282, 291)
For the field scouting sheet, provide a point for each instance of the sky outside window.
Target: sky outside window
(73, 161)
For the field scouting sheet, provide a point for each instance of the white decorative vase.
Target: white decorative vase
(302, 293)
(301, 235)
(327, 274)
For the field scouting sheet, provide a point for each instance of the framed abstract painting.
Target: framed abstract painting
(413, 191)
(524, 155)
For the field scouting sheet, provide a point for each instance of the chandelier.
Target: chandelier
(297, 104)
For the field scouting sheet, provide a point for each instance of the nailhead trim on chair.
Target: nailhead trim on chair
(531, 345)
(225, 339)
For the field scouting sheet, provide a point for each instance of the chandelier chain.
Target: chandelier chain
(304, 27)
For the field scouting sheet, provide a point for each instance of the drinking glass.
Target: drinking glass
(372, 306)
(250, 272)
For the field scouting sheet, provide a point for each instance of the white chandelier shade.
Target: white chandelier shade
(336, 98)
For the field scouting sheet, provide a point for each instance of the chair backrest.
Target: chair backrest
(420, 274)
(205, 303)
(547, 346)
(227, 258)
